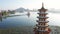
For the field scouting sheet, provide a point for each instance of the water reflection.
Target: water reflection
(28, 14)
(0, 18)
(13, 15)
(28, 18)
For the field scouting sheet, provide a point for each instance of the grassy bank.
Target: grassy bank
(20, 30)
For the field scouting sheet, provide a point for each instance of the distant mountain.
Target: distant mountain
(21, 10)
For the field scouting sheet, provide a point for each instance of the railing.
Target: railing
(42, 13)
(41, 25)
(41, 30)
(42, 17)
(42, 21)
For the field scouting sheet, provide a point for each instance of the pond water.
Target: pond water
(28, 20)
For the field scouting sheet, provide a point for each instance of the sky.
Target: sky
(30, 4)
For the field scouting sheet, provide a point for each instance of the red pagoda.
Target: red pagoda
(42, 26)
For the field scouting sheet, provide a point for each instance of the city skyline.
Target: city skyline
(30, 4)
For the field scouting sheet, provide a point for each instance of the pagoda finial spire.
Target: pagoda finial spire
(42, 5)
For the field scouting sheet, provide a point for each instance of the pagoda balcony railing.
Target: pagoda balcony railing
(42, 21)
(42, 13)
(42, 17)
(41, 25)
(41, 30)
